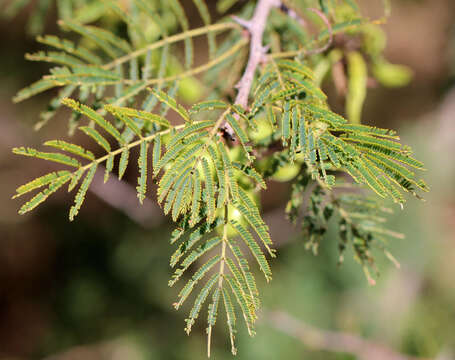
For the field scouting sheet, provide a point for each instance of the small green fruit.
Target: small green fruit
(374, 39)
(234, 214)
(264, 130)
(391, 75)
(286, 173)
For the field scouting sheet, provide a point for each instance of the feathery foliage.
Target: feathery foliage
(210, 160)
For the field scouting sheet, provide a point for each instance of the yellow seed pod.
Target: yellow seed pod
(357, 86)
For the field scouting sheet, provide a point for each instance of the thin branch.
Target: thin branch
(293, 14)
(255, 26)
(170, 40)
(329, 28)
(197, 70)
(332, 340)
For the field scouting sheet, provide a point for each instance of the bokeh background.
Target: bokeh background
(97, 288)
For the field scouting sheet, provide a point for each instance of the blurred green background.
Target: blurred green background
(97, 288)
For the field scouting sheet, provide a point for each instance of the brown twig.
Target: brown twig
(327, 45)
(332, 340)
(255, 26)
(122, 196)
(293, 14)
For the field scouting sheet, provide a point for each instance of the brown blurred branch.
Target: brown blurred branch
(335, 341)
(122, 196)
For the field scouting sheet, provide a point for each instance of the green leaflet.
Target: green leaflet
(75, 177)
(68, 46)
(327, 115)
(230, 315)
(80, 196)
(43, 195)
(296, 67)
(210, 190)
(368, 174)
(175, 151)
(240, 282)
(196, 200)
(396, 175)
(40, 182)
(188, 130)
(181, 194)
(130, 124)
(53, 106)
(98, 119)
(178, 182)
(207, 105)
(322, 150)
(254, 248)
(284, 94)
(170, 177)
(60, 58)
(331, 151)
(200, 300)
(271, 116)
(311, 146)
(231, 180)
(243, 137)
(82, 75)
(185, 204)
(309, 88)
(99, 36)
(195, 235)
(183, 21)
(392, 190)
(243, 304)
(109, 166)
(198, 275)
(142, 179)
(72, 148)
(391, 154)
(205, 15)
(123, 162)
(246, 274)
(224, 5)
(169, 101)
(193, 256)
(375, 141)
(302, 132)
(267, 77)
(221, 178)
(390, 165)
(55, 157)
(294, 138)
(95, 135)
(286, 122)
(156, 153)
(212, 314)
(262, 96)
(34, 89)
(256, 223)
(139, 114)
(367, 130)
(251, 173)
